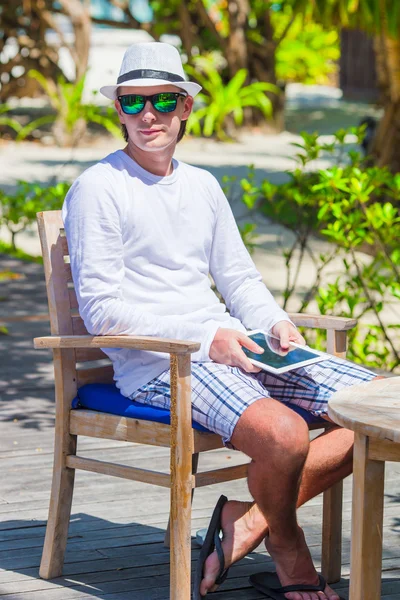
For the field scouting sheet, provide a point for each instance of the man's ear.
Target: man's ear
(187, 109)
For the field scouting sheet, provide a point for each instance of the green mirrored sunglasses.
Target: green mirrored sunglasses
(133, 104)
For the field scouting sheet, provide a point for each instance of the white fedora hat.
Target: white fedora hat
(151, 64)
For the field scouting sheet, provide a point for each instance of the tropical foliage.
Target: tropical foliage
(18, 209)
(71, 114)
(308, 52)
(225, 104)
(357, 208)
(381, 18)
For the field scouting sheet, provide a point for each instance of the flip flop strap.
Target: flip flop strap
(222, 573)
(302, 587)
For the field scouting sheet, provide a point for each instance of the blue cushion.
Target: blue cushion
(307, 416)
(106, 397)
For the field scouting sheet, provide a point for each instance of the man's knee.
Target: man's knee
(268, 430)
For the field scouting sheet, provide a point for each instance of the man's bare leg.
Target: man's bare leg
(328, 461)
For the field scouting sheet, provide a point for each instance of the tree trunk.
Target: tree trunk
(385, 148)
(80, 19)
(259, 60)
(236, 51)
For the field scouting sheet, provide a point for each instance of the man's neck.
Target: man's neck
(158, 163)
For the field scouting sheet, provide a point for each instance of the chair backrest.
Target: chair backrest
(63, 305)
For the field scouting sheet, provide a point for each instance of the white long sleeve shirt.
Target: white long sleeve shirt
(142, 248)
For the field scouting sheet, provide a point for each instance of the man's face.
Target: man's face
(151, 130)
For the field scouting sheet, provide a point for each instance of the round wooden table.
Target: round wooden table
(372, 411)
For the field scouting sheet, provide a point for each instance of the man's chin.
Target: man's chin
(156, 143)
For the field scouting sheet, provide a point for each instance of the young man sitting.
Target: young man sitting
(144, 233)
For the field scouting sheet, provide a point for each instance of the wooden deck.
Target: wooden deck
(115, 549)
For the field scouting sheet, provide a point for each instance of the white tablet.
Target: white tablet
(274, 359)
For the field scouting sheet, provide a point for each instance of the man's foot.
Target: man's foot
(294, 565)
(244, 528)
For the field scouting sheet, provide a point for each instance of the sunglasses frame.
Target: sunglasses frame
(151, 98)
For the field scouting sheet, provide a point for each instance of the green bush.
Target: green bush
(223, 105)
(308, 53)
(357, 208)
(71, 115)
(18, 209)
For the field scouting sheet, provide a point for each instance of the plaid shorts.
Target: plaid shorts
(220, 393)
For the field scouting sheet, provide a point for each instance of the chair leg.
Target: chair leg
(332, 533)
(60, 508)
(195, 464)
(181, 477)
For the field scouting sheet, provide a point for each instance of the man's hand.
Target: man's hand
(287, 332)
(226, 349)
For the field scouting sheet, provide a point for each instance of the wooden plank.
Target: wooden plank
(383, 450)
(102, 425)
(331, 559)
(63, 478)
(104, 374)
(78, 326)
(64, 243)
(89, 354)
(337, 343)
(56, 275)
(366, 535)
(181, 477)
(371, 408)
(206, 441)
(322, 321)
(73, 301)
(137, 342)
(67, 272)
(116, 470)
(220, 475)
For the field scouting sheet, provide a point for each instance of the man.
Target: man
(144, 233)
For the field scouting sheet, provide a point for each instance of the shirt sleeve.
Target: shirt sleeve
(235, 275)
(92, 220)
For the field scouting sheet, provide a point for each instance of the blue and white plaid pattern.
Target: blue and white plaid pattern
(220, 394)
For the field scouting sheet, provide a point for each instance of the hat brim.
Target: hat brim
(110, 91)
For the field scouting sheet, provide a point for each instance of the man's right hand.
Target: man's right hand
(226, 349)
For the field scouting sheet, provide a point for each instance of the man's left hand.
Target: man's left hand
(287, 333)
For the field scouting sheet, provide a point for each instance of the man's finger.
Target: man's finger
(298, 339)
(248, 366)
(248, 343)
(284, 340)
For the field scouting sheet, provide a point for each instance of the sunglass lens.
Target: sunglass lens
(165, 103)
(132, 104)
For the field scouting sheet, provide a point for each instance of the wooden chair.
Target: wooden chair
(71, 344)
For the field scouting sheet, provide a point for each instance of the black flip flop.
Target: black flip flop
(212, 541)
(269, 584)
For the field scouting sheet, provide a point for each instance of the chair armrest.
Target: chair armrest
(323, 321)
(136, 342)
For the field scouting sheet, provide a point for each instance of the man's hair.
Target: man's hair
(181, 133)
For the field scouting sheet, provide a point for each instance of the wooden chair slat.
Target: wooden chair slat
(107, 468)
(68, 272)
(78, 326)
(113, 427)
(88, 354)
(73, 301)
(95, 375)
(202, 442)
(64, 245)
(220, 475)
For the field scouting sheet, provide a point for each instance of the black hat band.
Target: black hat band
(148, 74)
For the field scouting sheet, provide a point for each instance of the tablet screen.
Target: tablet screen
(274, 357)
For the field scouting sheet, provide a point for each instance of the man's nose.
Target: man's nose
(149, 111)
